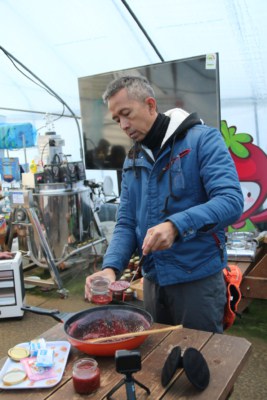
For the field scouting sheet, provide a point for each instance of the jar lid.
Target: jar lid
(85, 364)
(100, 285)
(119, 286)
(14, 377)
(18, 353)
(100, 280)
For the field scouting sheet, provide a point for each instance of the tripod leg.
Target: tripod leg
(129, 382)
(115, 388)
(142, 386)
(130, 389)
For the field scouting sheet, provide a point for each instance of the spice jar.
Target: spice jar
(128, 276)
(136, 265)
(134, 275)
(128, 295)
(131, 264)
(85, 376)
(100, 292)
(117, 295)
(126, 271)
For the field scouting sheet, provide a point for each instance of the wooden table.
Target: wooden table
(225, 355)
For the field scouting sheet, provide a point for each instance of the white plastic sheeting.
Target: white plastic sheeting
(61, 40)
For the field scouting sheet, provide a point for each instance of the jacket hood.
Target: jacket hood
(177, 116)
(180, 122)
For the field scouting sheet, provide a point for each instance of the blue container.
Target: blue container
(17, 136)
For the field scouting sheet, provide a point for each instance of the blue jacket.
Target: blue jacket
(193, 175)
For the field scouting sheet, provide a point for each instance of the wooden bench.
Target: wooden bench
(254, 282)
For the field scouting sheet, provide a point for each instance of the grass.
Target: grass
(73, 281)
(253, 322)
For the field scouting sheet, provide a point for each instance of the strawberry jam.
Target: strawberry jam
(100, 292)
(101, 298)
(86, 376)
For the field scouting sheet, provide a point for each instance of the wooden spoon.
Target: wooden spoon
(133, 334)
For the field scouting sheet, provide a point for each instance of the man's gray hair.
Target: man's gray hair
(138, 87)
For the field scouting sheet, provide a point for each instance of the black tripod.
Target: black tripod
(129, 382)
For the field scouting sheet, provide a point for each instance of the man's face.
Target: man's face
(134, 117)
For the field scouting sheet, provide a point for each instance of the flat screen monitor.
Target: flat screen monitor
(191, 84)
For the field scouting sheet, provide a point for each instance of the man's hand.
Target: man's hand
(160, 237)
(5, 255)
(107, 273)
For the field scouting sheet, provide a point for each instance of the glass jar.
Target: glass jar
(126, 271)
(131, 264)
(117, 288)
(128, 295)
(85, 376)
(128, 276)
(117, 295)
(100, 292)
(136, 265)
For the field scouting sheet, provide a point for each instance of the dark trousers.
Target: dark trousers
(197, 305)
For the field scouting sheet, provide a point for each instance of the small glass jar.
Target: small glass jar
(117, 288)
(85, 376)
(128, 276)
(117, 295)
(126, 271)
(100, 292)
(128, 295)
(133, 275)
(136, 265)
(131, 264)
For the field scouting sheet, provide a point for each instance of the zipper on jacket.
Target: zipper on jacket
(171, 162)
(220, 246)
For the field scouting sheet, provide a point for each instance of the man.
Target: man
(179, 191)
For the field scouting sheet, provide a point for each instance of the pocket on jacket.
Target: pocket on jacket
(177, 178)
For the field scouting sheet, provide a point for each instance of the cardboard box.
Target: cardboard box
(137, 287)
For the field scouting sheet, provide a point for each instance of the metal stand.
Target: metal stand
(129, 382)
(24, 218)
(34, 222)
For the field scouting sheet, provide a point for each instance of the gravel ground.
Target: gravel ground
(252, 383)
